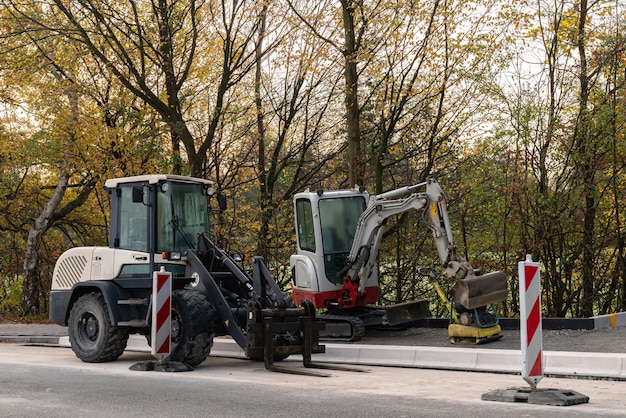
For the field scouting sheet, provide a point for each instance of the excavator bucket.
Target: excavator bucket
(478, 291)
(405, 313)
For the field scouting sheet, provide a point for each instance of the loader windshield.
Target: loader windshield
(338, 219)
(182, 214)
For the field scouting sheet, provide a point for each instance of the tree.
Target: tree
(559, 165)
(153, 50)
(66, 137)
(355, 16)
(292, 105)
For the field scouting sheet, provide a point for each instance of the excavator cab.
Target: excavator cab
(327, 225)
(338, 220)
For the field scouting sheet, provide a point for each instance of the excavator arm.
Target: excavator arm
(470, 290)
(371, 227)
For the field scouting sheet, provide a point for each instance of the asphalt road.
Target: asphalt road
(50, 381)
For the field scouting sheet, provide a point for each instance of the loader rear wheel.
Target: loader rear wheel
(92, 336)
(193, 327)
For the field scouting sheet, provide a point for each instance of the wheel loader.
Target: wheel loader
(335, 267)
(160, 223)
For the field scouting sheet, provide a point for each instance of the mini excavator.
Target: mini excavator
(338, 237)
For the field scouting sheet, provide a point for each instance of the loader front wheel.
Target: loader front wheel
(193, 327)
(92, 336)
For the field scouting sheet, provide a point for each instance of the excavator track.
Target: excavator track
(342, 328)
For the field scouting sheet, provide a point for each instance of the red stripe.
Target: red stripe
(163, 313)
(532, 323)
(162, 280)
(537, 370)
(165, 347)
(529, 275)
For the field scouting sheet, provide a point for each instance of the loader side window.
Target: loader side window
(133, 219)
(304, 220)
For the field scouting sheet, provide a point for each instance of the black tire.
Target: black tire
(92, 336)
(193, 327)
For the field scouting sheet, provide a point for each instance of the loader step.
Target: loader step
(133, 302)
(135, 323)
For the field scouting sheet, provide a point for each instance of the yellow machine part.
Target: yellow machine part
(445, 300)
(458, 333)
(473, 335)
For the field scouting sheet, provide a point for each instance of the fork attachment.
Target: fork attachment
(274, 334)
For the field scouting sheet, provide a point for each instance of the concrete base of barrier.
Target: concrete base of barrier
(556, 397)
(556, 363)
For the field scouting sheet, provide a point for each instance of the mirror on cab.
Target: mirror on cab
(141, 196)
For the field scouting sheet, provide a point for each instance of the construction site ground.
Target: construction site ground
(591, 352)
(605, 340)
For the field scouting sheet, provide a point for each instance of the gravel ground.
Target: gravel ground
(600, 341)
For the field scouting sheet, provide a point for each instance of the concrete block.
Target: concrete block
(568, 363)
(502, 361)
(615, 320)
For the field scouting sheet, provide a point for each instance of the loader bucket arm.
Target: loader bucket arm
(207, 285)
(263, 324)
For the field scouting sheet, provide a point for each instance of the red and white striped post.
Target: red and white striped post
(161, 312)
(532, 348)
(530, 321)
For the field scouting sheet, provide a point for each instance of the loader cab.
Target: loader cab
(325, 226)
(160, 214)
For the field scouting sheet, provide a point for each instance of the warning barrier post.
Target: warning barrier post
(531, 339)
(161, 332)
(531, 335)
(161, 313)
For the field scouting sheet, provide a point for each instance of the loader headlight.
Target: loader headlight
(196, 279)
(172, 255)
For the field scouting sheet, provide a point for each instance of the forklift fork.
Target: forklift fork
(302, 325)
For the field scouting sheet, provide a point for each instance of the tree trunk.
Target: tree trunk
(264, 192)
(585, 150)
(355, 160)
(31, 286)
